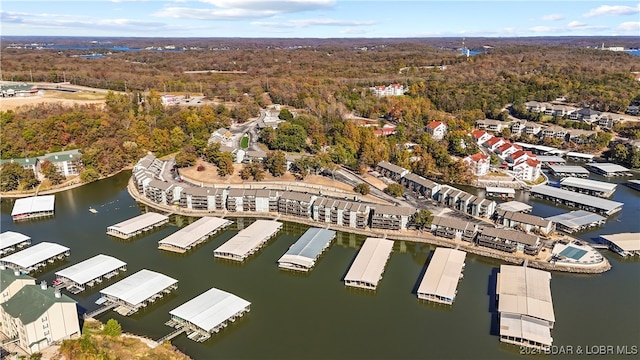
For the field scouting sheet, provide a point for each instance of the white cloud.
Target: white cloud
(303, 23)
(552, 17)
(353, 31)
(542, 29)
(629, 26)
(244, 9)
(578, 26)
(51, 21)
(613, 10)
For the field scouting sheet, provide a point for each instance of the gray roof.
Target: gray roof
(370, 261)
(159, 184)
(523, 218)
(553, 159)
(625, 241)
(608, 167)
(308, 247)
(139, 286)
(210, 309)
(392, 167)
(420, 180)
(90, 269)
(511, 235)
(34, 204)
(588, 184)
(452, 223)
(568, 169)
(8, 276)
(580, 155)
(576, 219)
(443, 273)
(587, 200)
(525, 291)
(191, 233)
(249, 238)
(201, 191)
(139, 222)
(394, 210)
(514, 206)
(296, 196)
(31, 302)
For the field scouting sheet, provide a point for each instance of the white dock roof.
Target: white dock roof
(525, 291)
(370, 261)
(577, 198)
(588, 184)
(249, 238)
(186, 236)
(580, 155)
(576, 219)
(210, 309)
(90, 269)
(563, 169)
(625, 241)
(550, 159)
(524, 327)
(514, 206)
(502, 190)
(609, 168)
(35, 254)
(11, 238)
(139, 222)
(443, 273)
(34, 204)
(308, 247)
(139, 286)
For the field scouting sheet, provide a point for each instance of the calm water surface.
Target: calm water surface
(314, 316)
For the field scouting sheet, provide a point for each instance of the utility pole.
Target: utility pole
(125, 86)
(31, 73)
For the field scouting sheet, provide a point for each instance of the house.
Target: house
(12, 281)
(391, 217)
(386, 130)
(391, 171)
(519, 156)
(482, 207)
(528, 170)
(517, 127)
(494, 143)
(561, 110)
(535, 106)
(437, 129)
(525, 222)
(221, 136)
(37, 316)
(491, 125)
(420, 185)
(19, 90)
(532, 128)
(508, 240)
(295, 203)
(633, 109)
(586, 115)
(389, 90)
(579, 136)
(480, 136)
(554, 131)
(67, 162)
(606, 122)
(452, 228)
(26, 163)
(478, 163)
(507, 149)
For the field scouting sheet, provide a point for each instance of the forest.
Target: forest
(324, 83)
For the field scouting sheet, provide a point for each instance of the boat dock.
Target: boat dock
(589, 187)
(248, 240)
(577, 221)
(515, 206)
(525, 307)
(440, 281)
(568, 170)
(573, 199)
(206, 314)
(634, 184)
(624, 244)
(576, 156)
(302, 255)
(547, 160)
(35, 257)
(368, 266)
(193, 234)
(609, 169)
(137, 225)
(88, 273)
(33, 207)
(11, 240)
(501, 192)
(137, 291)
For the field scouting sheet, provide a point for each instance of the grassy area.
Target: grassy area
(78, 95)
(244, 142)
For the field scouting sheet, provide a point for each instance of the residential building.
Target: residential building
(391, 217)
(392, 171)
(388, 90)
(295, 203)
(579, 136)
(26, 163)
(12, 281)
(452, 228)
(437, 129)
(508, 240)
(528, 170)
(517, 127)
(507, 149)
(525, 222)
(67, 162)
(520, 156)
(420, 185)
(480, 136)
(386, 130)
(341, 212)
(554, 131)
(494, 143)
(491, 125)
(532, 128)
(535, 106)
(162, 192)
(478, 163)
(587, 115)
(221, 136)
(606, 122)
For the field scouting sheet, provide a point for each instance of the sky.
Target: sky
(319, 18)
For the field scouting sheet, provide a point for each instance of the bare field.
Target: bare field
(53, 97)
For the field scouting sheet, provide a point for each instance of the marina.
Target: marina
(193, 234)
(304, 253)
(501, 192)
(515, 206)
(525, 306)
(624, 244)
(569, 170)
(367, 268)
(249, 240)
(207, 314)
(572, 199)
(577, 220)
(35, 257)
(88, 273)
(11, 240)
(440, 281)
(634, 184)
(589, 187)
(547, 160)
(137, 291)
(137, 225)
(608, 169)
(33, 207)
(577, 156)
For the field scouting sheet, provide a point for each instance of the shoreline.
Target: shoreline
(405, 235)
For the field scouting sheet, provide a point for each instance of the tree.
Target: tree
(285, 115)
(10, 174)
(112, 328)
(394, 190)
(89, 174)
(246, 173)
(225, 164)
(276, 163)
(423, 218)
(51, 172)
(186, 157)
(494, 159)
(362, 188)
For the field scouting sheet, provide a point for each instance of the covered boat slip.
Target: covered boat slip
(368, 266)
(515, 206)
(137, 291)
(589, 187)
(35, 257)
(193, 234)
(608, 169)
(525, 331)
(247, 241)
(625, 244)
(634, 184)
(573, 199)
(208, 313)
(440, 281)
(33, 207)
(500, 192)
(302, 255)
(569, 170)
(577, 221)
(525, 291)
(11, 240)
(137, 225)
(88, 273)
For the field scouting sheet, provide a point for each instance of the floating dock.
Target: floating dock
(576, 156)
(525, 306)
(624, 244)
(88, 273)
(573, 199)
(588, 187)
(568, 170)
(366, 270)
(634, 184)
(501, 192)
(440, 281)
(137, 291)
(577, 221)
(35, 257)
(547, 160)
(302, 255)
(248, 240)
(33, 207)
(11, 240)
(207, 314)
(137, 225)
(515, 206)
(193, 234)
(608, 169)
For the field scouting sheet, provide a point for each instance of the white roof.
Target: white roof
(514, 206)
(625, 241)
(139, 222)
(139, 286)
(524, 327)
(35, 254)
(33, 204)
(609, 168)
(554, 159)
(370, 261)
(588, 184)
(210, 308)
(308, 247)
(10, 238)
(85, 271)
(443, 273)
(525, 291)
(576, 219)
(249, 238)
(191, 233)
(580, 155)
(568, 169)
(502, 190)
(577, 198)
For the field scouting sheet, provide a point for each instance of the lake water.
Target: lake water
(314, 316)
